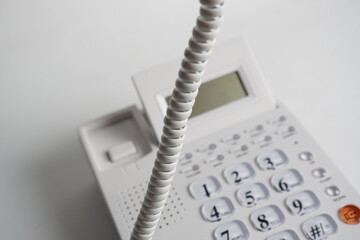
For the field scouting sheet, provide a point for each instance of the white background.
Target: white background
(63, 63)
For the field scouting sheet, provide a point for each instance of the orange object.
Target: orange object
(350, 214)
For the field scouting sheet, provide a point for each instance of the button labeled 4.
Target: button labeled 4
(217, 210)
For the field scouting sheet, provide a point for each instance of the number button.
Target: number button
(239, 173)
(267, 218)
(302, 203)
(204, 188)
(285, 235)
(231, 231)
(320, 227)
(287, 180)
(272, 160)
(217, 210)
(252, 195)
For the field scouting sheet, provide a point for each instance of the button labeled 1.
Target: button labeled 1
(267, 218)
(320, 227)
(302, 203)
(272, 160)
(217, 210)
(204, 188)
(285, 235)
(287, 180)
(232, 230)
(252, 195)
(239, 173)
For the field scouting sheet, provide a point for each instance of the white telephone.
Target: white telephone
(248, 169)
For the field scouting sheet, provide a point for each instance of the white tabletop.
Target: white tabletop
(63, 63)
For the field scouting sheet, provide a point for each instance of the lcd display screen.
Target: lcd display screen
(218, 92)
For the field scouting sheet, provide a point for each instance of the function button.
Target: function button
(287, 180)
(306, 156)
(263, 140)
(302, 203)
(207, 148)
(239, 149)
(239, 173)
(332, 191)
(231, 139)
(350, 214)
(204, 188)
(256, 130)
(319, 173)
(267, 218)
(279, 120)
(320, 227)
(287, 131)
(189, 170)
(252, 195)
(272, 160)
(185, 156)
(215, 159)
(217, 210)
(285, 235)
(232, 230)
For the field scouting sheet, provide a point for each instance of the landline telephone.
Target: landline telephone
(248, 169)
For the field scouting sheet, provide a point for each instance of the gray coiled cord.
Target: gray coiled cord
(179, 110)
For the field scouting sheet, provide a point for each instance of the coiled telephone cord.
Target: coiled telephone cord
(179, 110)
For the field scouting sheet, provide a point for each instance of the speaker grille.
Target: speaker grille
(129, 203)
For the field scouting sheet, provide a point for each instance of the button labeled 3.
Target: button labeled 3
(272, 160)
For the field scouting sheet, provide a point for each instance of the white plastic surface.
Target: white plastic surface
(64, 63)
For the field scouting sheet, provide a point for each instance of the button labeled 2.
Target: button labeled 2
(272, 160)
(217, 210)
(232, 230)
(204, 188)
(239, 173)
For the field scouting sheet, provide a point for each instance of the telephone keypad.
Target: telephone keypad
(267, 218)
(287, 180)
(252, 195)
(232, 230)
(319, 227)
(285, 235)
(302, 203)
(239, 173)
(272, 160)
(217, 209)
(205, 187)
